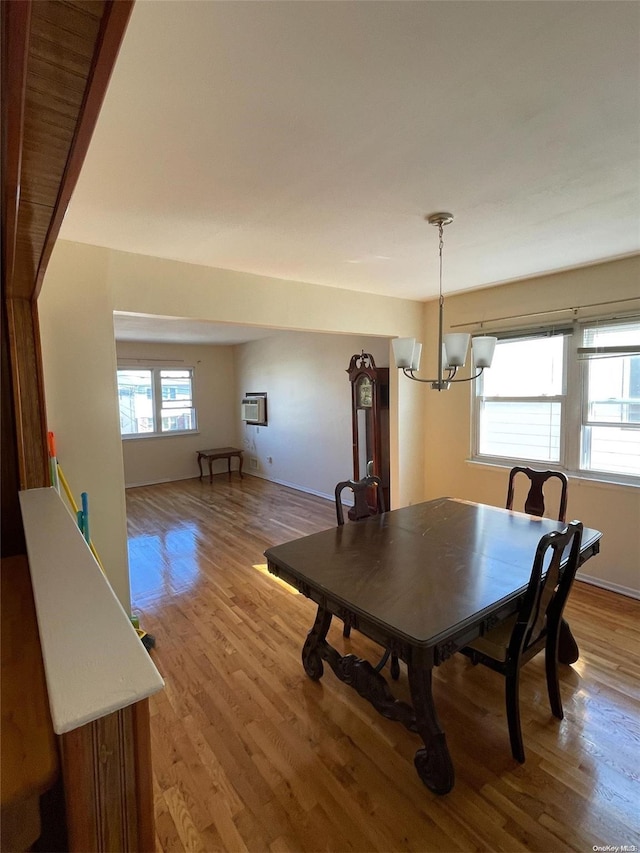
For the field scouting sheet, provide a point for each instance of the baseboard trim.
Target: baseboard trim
(158, 482)
(245, 473)
(612, 587)
(295, 486)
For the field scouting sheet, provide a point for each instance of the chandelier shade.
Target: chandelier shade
(403, 352)
(483, 350)
(456, 347)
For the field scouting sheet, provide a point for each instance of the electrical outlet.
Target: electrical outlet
(270, 460)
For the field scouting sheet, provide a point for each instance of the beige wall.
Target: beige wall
(157, 460)
(82, 288)
(615, 510)
(309, 436)
(78, 354)
(156, 286)
(146, 285)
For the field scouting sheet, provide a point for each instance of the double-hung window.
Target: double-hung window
(155, 401)
(521, 400)
(566, 398)
(610, 434)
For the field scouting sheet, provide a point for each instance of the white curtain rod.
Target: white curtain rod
(124, 360)
(573, 311)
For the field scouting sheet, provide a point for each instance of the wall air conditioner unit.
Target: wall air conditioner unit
(254, 410)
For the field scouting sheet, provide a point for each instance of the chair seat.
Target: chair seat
(495, 643)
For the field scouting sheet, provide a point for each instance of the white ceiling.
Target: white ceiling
(307, 140)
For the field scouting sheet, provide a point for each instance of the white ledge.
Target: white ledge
(93, 658)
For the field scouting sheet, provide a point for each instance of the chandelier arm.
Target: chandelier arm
(408, 372)
(468, 378)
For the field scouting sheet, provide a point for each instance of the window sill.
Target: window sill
(147, 435)
(602, 482)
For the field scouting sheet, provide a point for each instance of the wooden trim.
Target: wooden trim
(112, 29)
(16, 19)
(144, 782)
(104, 767)
(29, 404)
(12, 540)
(79, 772)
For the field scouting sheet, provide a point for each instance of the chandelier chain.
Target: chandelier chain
(440, 248)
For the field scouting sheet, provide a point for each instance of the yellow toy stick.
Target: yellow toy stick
(74, 507)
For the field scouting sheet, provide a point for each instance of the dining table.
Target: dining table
(422, 581)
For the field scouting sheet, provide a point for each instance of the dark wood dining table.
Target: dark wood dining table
(422, 581)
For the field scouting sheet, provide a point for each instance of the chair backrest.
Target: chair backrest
(534, 504)
(365, 505)
(548, 588)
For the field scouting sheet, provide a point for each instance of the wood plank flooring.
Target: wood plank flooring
(250, 754)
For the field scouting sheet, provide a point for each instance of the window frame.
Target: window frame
(584, 422)
(157, 400)
(573, 412)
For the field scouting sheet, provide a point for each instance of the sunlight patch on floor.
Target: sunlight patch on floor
(262, 568)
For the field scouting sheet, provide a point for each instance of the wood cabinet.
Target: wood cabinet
(370, 419)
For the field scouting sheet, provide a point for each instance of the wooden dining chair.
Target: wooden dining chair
(535, 627)
(534, 503)
(368, 500)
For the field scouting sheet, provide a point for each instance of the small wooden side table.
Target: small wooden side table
(219, 453)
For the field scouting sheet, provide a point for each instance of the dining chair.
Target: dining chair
(536, 626)
(534, 503)
(365, 504)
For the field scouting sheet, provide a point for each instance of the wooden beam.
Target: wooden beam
(16, 19)
(28, 394)
(114, 22)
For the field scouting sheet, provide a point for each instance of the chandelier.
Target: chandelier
(452, 348)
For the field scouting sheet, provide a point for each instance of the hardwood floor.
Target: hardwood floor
(250, 754)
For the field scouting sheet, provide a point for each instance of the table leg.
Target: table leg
(229, 466)
(433, 763)
(200, 464)
(354, 671)
(240, 464)
(568, 651)
(313, 647)
(211, 470)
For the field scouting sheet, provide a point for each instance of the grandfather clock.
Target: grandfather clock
(370, 419)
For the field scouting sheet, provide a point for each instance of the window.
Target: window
(155, 401)
(610, 436)
(523, 399)
(543, 402)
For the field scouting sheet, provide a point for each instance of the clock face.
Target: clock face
(365, 393)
